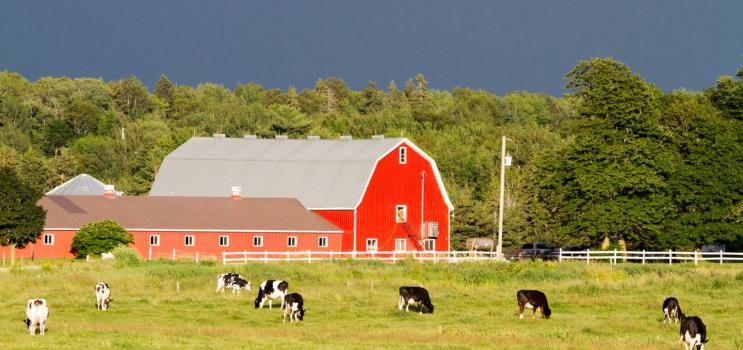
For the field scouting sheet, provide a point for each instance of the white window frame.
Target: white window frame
(404, 213)
(226, 241)
(402, 155)
(289, 241)
(154, 240)
(372, 247)
(260, 241)
(433, 245)
(321, 240)
(431, 225)
(404, 244)
(51, 238)
(185, 240)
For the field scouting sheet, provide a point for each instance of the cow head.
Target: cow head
(258, 302)
(27, 322)
(300, 314)
(547, 312)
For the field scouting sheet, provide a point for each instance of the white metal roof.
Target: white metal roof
(330, 174)
(81, 185)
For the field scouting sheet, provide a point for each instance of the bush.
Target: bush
(99, 237)
(125, 257)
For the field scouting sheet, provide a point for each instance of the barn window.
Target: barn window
(258, 241)
(322, 242)
(429, 245)
(433, 230)
(371, 245)
(49, 239)
(291, 241)
(403, 155)
(224, 241)
(154, 240)
(400, 245)
(188, 240)
(401, 213)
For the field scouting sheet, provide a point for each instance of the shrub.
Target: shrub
(99, 237)
(125, 256)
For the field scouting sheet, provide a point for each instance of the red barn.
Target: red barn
(188, 225)
(384, 194)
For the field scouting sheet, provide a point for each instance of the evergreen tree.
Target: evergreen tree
(165, 90)
(21, 219)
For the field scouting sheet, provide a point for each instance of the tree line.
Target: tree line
(614, 161)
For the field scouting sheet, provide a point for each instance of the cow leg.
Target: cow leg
(534, 313)
(407, 306)
(41, 328)
(665, 316)
(290, 317)
(32, 328)
(521, 311)
(270, 303)
(400, 303)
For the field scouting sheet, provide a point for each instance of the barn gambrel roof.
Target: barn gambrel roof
(81, 185)
(322, 174)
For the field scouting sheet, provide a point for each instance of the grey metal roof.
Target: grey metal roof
(320, 173)
(82, 185)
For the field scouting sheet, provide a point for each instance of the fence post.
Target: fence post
(197, 257)
(720, 256)
(696, 256)
(224, 258)
(309, 256)
(670, 257)
(643, 256)
(173, 254)
(245, 257)
(287, 255)
(149, 255)
(372, 255)
(394, 257)
(588, 256)
(265, 256)
(615, 256)
(559, 257)
(331, 255)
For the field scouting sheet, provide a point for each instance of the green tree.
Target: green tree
(727, 95)
(21, 219)
(99, 237)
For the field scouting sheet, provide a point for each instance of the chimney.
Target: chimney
(250, 137)
(377, 137)
(236, 193)
(219, 136)
(109, 191)
(313, 137)
(345, 138)
(282, 137)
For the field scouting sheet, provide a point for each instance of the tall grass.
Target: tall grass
(353, 305)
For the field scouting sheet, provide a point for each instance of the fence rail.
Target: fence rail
(611, 256)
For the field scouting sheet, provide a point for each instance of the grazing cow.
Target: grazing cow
(234, 281)
(533, 299)
(671, 310)
(107, 256)
(693, 331)
(102, 296)
(415, 295)
(270, 290)
(36, 313)
(294, 307)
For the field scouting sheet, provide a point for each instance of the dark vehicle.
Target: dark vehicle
(537, 251)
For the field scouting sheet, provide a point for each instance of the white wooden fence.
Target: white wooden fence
(611, 256)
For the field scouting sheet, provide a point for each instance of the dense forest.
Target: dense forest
(616, 161)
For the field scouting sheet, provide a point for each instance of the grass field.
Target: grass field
(353, 305)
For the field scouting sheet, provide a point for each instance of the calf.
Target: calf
(234, 281)
(693, 331)
(415, 295)
(533, 299)
(36, 313)
(102, 296)
(294, 307)
(671, 310)
(270, 290)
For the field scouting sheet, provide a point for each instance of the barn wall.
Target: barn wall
(60, 248)
(343, 219)
(391, 184)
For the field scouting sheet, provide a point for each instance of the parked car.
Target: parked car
(537, 251)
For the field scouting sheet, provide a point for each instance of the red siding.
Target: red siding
(400, 184)
(344, 220)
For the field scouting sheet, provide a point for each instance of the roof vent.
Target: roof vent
(109, 191)
(313, 137)
(345, 138)
(282, 137)
(219, 136)
(236, 193)
(377, 137)
(250, 137)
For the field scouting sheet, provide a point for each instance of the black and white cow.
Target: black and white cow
(671, 310)
(693, 332)
(533, 299)
(234, 281)
(102, 296)
(294, 307)
(36, 315)
(270, 290)
(415, 295)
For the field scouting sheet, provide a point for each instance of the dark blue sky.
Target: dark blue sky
(499, 46)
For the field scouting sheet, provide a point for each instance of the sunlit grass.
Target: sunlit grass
(353, 305)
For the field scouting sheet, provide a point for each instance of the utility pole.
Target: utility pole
(504, 161)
